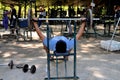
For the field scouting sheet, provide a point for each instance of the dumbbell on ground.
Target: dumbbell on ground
(25, 68)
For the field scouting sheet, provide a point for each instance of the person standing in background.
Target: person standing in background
(5, 19)
(13, 18)
(42, 14)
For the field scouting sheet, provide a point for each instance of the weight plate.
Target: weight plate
(33, 69)
(11, 64)
(89, 18)
(25, 68)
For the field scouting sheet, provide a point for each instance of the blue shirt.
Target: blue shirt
(53, 41)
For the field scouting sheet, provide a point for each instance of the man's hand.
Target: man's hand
(35, 19)
(83, 19)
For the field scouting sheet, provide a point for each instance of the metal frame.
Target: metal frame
(27, 32)
(74, 76)
(75, 19)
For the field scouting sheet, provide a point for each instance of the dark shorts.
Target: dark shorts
(12, 23)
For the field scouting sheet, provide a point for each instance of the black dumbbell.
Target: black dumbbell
(25, 68)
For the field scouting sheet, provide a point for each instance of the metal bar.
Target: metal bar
(75, 49)
(71, 77)
(30, 35)
(65, 68)
(69, 54)
(60, 19)
(3, 64)
(48, 54)
(57, 67)
(66, 19)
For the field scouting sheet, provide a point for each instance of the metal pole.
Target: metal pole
(113, 34)
(3, 64)
(48, 53)
(75, 49)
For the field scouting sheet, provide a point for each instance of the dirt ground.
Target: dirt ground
(93, 62)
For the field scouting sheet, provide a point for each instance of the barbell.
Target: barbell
(88, 17)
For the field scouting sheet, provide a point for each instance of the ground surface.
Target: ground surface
(93, 62)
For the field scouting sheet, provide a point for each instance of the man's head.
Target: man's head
(61, 46)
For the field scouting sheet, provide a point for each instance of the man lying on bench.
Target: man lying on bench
(59, 44)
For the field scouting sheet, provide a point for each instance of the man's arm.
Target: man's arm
(41, 36)
(78, 36)
(81, 30)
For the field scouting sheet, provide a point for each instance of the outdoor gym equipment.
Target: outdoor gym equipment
(25, 68)
(74, 76)
(26, 23)
(89, 18)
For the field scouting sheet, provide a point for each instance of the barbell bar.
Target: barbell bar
(10, 64)
(89, 18)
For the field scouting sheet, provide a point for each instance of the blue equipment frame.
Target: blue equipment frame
(75, 77)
